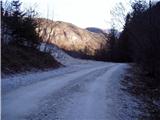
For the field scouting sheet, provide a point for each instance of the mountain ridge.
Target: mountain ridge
(71, 38)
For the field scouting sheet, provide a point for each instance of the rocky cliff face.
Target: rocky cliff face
(71, 38)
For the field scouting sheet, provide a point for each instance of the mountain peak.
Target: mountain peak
(71, 38)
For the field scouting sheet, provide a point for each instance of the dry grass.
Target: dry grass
(16, 59)
(135, 84)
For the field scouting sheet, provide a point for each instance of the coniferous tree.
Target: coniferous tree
(142, 33)
(2, 9)
(22, 24)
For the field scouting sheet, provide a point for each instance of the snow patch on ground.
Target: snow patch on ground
(60, 55)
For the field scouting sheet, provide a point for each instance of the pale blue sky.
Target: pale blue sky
(83, 13)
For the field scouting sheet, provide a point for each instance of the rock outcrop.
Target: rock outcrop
(71, 38)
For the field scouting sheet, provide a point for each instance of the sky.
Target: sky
(83, 13)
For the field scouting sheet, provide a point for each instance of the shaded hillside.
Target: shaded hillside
(76, 41)
(20, 42)
(17, 58)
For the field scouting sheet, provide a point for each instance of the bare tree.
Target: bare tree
(118, 15)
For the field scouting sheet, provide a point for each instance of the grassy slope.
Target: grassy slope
(19, 59)
(135, 84)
